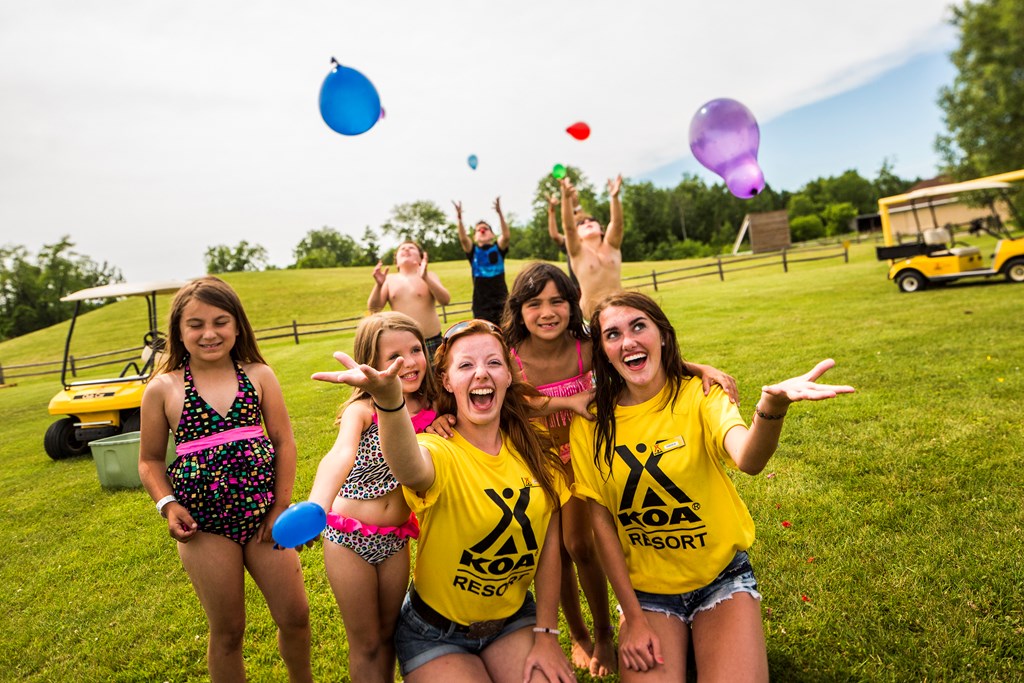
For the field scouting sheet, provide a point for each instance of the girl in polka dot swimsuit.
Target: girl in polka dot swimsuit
(229, 480)
(366, 551)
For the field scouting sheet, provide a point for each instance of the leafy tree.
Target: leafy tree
(984, 107)
(888, 183)
(30, 291)
(243, 257)
(651, 218)
(370, 251)
(326, 248)
(801, 205)
(424, 222)
(803, 228)
(532, 240)
(837, 217)
(849, 187)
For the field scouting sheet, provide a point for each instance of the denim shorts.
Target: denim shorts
(738, 577)
(418, 642)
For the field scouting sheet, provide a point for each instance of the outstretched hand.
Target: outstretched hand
(380, 273)
(423, 265)
(554, 201)
(497, 205)
(802, 388)
(384, 387)
(614, 186)
(568, 191)
(458, 210)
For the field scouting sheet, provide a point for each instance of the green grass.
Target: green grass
(907, 494)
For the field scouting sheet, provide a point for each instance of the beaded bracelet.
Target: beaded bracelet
(766, 416)
(541, 629)
(389, 410)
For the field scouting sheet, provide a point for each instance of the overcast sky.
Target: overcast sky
(149, 131)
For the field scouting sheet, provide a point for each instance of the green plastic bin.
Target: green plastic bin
(117, 459)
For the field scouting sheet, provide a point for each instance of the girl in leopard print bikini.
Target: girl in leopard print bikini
(366, 550)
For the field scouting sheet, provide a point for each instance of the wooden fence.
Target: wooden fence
(75, 364)
(463, 309)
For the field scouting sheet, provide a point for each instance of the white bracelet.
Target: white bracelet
(541, 629)
(162, 503)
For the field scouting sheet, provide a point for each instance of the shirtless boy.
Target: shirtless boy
(596, 255)
(412, 290)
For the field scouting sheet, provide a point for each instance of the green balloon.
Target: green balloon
(558, 171)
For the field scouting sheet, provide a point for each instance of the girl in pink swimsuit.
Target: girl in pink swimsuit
(230, 479)
(544, 325)
(366, 551)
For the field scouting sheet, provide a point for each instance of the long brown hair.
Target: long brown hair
(536, 449)
(366, 351)
(609, 384)
(215, 292)
(530, 282)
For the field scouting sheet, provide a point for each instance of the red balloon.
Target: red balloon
(579, 130)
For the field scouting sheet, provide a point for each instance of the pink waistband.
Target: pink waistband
(219, 438)
(411, 528)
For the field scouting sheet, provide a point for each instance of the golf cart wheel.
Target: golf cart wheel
(60, 441)
(132, 422)
(910, 281)
(1015, 270)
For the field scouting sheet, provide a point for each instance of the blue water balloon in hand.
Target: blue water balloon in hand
(349, 103)
(299, 524)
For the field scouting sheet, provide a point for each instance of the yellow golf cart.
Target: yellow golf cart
(102, 406)
(932, 255)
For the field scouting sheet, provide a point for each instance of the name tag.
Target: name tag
(669, 445)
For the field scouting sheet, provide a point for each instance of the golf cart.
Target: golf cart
(105, 406)
(934, 256)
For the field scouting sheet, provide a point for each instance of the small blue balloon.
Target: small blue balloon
(349, 103)
(472, 161)
(299, 524)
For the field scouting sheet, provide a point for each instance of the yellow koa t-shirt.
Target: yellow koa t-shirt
(482, 528)
(677, 514)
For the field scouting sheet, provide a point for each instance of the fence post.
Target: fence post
(1, 374)
(721, 273)
(444, 314)
(846, 259)
(71, 362)
(295, 331)
(785, 265)
(654, 279)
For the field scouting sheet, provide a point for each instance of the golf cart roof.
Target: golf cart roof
(954, 188)
(126, 289)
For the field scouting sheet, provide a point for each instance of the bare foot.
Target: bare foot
(582, 653)
(605, 659)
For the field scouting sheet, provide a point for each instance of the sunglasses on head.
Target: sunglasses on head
(459, 327)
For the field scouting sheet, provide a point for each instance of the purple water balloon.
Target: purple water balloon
(724, 137)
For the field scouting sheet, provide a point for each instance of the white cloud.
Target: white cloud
(152, 130)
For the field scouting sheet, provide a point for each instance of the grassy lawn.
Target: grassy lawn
(901, 560)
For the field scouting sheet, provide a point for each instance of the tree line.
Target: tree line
(689, 220)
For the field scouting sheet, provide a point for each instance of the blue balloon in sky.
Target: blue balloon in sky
(349, 103)
(299, 524)
(472, 161)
